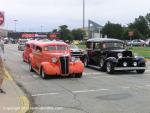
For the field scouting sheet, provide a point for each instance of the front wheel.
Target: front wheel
(109, 68)
(79, 75)
(86, 62)
(140, 71)
(43, 75)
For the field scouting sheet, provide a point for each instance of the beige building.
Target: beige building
(4, 32)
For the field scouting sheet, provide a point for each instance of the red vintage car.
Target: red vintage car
(28, 50)
(54, 58)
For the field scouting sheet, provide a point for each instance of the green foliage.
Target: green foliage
(141, 25)
(112, 30)
(136, 34)
(64, 33)
(78, 34)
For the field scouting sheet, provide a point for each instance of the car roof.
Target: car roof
(42, 44)
(104, 40)
(31, 41)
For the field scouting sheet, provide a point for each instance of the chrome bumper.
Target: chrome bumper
(129, 68)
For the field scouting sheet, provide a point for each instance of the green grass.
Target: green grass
(141, 51)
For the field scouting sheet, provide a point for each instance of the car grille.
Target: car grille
(64, 61)
(76, 53)
(129, 62)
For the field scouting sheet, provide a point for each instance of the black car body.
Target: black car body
(110, 55)
(76, 51)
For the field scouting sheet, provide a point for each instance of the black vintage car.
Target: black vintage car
(111, 55)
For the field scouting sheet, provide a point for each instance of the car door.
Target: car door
(38, 56)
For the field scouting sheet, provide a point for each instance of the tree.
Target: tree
(78, 34)
(136, 34)
(112, 30)
(64, 33)
(141, 25)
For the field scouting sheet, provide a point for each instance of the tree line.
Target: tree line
(66, 34)
(139, 29)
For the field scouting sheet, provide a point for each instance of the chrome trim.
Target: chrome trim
(128, 68)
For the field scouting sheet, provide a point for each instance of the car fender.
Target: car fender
(140, 59)
(111, 59)
(50, 68)
(76, 67)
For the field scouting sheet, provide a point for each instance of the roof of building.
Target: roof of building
(103, 40)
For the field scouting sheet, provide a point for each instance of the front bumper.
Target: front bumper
(129, 68)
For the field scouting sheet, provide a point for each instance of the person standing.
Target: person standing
(2, 69)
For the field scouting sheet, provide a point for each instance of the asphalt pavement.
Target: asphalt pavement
(95, 92)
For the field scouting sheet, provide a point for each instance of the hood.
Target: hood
(58, 54)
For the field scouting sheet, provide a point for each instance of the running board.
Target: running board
(97, 67)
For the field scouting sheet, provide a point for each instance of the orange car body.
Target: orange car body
(28, 50)
(54, 58)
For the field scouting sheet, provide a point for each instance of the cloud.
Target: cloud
(31, 14)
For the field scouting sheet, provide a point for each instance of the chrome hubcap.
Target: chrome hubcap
(108, 67)
(43, 74)
(101, 63)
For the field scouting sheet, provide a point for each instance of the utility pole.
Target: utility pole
(15, 21)
(83, 14)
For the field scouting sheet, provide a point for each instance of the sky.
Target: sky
(32, 14)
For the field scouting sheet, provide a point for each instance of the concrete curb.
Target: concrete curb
(24, 102)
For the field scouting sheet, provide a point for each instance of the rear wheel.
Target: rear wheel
(109, 68)
(140, 71)
(43, 75)
(30, 67)
(79, 75)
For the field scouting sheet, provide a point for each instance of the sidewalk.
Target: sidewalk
(14, 101)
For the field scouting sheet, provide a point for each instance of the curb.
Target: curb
(24, 103)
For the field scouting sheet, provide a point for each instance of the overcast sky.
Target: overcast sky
(32, 14)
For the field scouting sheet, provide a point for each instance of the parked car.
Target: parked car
(54, 58)
(137, 42)
(76, 51)
(28, 49)
(21, 44)
(147, 42)
(111, 55)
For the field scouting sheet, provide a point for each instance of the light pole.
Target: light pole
(83, 14)
(15, 21)
(42, 28)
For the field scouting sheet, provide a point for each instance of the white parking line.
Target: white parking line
(92, 90)
(44, 94)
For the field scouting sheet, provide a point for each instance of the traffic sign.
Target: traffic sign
(2, 18)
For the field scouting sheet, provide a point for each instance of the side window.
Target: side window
(27, 46)
(38, 49)
(97, 46)
(89, 45)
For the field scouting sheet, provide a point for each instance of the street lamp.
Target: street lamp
(15, 21)
(42, 28)
(83, 14)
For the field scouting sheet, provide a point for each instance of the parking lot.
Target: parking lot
(95, 92)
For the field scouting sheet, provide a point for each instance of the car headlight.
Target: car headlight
(54, 60)
(120, 55)
(135, 64)
(73, 59)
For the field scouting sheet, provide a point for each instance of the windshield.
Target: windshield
(56, 47)
(112, 45)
